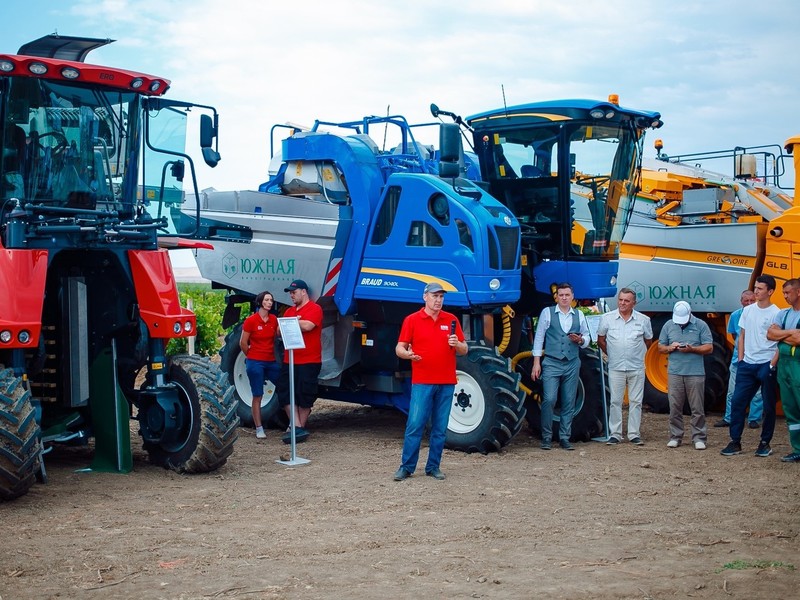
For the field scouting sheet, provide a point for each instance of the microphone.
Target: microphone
(453, 331)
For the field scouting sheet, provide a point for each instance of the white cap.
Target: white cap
(681, 312)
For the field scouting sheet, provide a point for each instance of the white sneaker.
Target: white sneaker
(260, 433)
(699, 445)
(673, 444)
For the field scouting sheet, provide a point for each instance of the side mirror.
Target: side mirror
(450, 148)
(207, 131)
(178, 170)
(211, 157)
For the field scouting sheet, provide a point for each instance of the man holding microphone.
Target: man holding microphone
(430, 338)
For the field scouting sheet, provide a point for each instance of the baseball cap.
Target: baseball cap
(297, 284)
(681, 312)
(433, 288)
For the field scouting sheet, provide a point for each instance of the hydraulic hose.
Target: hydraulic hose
(508, 314)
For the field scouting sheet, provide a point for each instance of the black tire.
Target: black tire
(19, 437)
(716, 366)
(489, 406)
(588, 420)
(233, 365)
(209, 431)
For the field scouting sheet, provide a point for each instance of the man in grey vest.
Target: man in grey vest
(560, 334)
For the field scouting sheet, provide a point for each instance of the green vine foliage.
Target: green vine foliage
(208, 307)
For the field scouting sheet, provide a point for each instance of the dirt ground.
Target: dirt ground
(600, 522)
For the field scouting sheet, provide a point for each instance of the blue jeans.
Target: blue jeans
(428, 402)
(756, 404)
(749, 378)
(559, 379)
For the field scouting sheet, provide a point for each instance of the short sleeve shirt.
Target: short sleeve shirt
(696, 333)
(262, 336)
(312, 353)
(428, 339)
(625, 340)
(755, 321)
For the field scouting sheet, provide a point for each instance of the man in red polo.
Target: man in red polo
(307, 361)
(430, 338)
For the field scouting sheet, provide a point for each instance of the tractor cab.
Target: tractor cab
(569, 171)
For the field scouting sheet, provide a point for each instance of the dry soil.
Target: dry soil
(600, 522)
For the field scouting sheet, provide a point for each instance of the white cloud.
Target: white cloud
(721, 72)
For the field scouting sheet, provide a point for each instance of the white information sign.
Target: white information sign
(291, 333)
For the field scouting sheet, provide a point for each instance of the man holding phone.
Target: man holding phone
(685, 339)
(561, 332)
(430, 338)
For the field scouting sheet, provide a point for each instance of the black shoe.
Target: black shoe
(732, 449)
(722, 423)
(612, 441)
(565, 445)
(793, 457)
(763, 450)
(436, 474)
(753, 425)
(401, 474)
(637, 441)
(300, 436)
(546, 445)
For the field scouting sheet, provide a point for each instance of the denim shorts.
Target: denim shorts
(258, 371)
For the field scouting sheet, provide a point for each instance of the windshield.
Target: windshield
(529, 169)
(68, 145)
(605, 177)
(163, 169)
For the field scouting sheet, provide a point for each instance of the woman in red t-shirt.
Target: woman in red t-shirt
(258, 345)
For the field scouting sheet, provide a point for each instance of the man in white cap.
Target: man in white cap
(685, 339)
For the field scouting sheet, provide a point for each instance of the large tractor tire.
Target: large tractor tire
(209, 429)
(655, 385)
(588, 419)
(19, 437)
(233, 365)
(488, 405)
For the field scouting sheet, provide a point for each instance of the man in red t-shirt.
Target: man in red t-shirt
(430, 338)
(307, 361)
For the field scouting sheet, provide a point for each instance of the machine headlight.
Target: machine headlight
(494, 285)
(155, 86)
(597, 113)
(5, 336)
(24, 336)
(70, 73)
(613, 280)
(176, 327)
(187, 327)
(610, 114)
(137, 83)
(37, 68)
(6, 66)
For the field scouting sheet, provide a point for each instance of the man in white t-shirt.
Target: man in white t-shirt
(756, 369)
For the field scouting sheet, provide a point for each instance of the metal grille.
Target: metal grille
(509, 243)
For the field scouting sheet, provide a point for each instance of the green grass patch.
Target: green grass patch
(739, 565)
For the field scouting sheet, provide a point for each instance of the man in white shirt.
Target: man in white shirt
(561, 331)
(756, 369)
(624, 335)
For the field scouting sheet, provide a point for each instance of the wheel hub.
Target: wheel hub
(469, 406)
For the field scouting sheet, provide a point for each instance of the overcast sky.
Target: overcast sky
(723, 73)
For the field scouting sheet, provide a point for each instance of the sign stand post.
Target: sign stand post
(292, 339)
